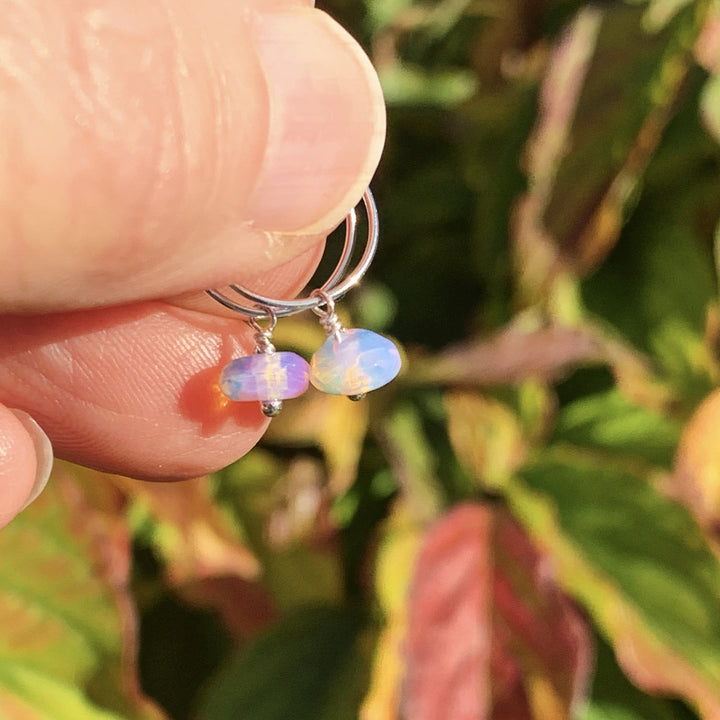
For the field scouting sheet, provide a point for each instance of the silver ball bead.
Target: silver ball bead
(271, 408)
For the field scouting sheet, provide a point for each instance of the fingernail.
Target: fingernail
(43, 452)
(327, 122)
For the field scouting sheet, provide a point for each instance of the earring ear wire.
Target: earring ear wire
(350, 362)
(335, 286)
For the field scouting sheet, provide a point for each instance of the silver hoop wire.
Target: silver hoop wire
(334, 287)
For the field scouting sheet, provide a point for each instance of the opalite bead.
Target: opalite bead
(265, 376)
(354, 363)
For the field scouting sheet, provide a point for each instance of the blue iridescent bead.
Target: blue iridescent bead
(354, 362)
(265, 376)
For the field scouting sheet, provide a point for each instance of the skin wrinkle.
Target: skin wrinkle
(113, 129)
(222, 119)
(169, 148)
(81, 437)
(16, 72)
(165, 152)
(93, 120)
(162, 341)
(139, 353)
(54, 399)
(177, 142)
(196, 356)
(177, 126)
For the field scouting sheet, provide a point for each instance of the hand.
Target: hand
(149, 150)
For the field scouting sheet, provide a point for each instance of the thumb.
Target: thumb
(25, 462)
(150, 149)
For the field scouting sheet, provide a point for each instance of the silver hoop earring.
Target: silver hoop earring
(351, 362)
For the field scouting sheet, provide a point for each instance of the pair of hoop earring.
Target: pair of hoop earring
(351, 362)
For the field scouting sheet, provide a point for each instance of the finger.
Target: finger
(147, 149)
(134, 389)
(25, 462)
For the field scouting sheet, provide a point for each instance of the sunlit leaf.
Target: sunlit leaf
(489, 634)
(486, 436)
(313, 665)
(696, 479)
(615, 128)
(660, 12)
(657, 284)
(638, 563)
(67, 647)
(205, 559)
(711, 105)
(615, 698)
(29, 695)
(707, 46)
(449, 644)
(188, 530)
(400, 544)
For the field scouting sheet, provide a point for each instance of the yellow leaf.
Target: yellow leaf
(486, 436)
(395, 566)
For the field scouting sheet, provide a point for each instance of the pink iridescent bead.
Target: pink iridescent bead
(354, 362)
(265, 377)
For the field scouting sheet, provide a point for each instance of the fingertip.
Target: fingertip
(326, 122)
(223, 138)
(25, 462)
(43, 454)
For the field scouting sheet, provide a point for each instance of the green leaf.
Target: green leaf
(30, 695)
(632, 79)
(408, 85)
(610, 422)
(656, 286)
(639, 564)
(711, 105)
(413, 462)
(665, 276)
(382, 13)
(313, 665)
(608, 95)
(68, 624)
(660, 12)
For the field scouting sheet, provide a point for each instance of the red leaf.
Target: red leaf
(515, 354)
(449, 637)
(490, 635)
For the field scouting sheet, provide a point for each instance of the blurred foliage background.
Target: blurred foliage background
(525, 524)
